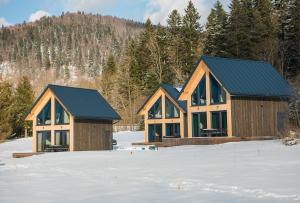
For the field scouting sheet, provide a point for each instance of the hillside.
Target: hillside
(70, 49)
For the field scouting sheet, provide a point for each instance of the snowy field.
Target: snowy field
(257, 171)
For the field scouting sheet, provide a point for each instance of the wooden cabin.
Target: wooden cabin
(73, 119)
(222, 98)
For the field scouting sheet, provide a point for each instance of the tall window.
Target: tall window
(199, 123)
(44, 117)
(219, 122)
(171, 110)
(61, 116)
(199, 95)
(218, 94)
(172, 130)
(156, 110)
(62, 137)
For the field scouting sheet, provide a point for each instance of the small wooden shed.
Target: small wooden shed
(76, 119)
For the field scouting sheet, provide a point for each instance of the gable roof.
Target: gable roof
(83, 103)
(172, 92)
(246, 77)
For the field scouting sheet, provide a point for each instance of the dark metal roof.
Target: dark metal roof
(247, 77)
(172, 92)
(83, 103)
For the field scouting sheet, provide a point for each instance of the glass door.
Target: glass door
(199, 123)
(43, 140)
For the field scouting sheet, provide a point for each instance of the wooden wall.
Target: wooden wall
(92, 135)
(257, 116)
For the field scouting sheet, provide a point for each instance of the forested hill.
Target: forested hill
(66, 49)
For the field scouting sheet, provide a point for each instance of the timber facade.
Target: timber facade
(71, 119)
(222, 98)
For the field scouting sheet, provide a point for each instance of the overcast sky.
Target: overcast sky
(17, 11)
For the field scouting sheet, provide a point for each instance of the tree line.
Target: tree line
(252, 29)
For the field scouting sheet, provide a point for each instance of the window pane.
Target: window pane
(61, 116)
(215, 120)
(156, 110)
(199, 123)
(171, 110)
(224, 120)
(218, 94)
(62, 138)
(44, 117)
(43, 140)
(173, 130)
(199, 95)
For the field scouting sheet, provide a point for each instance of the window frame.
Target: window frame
(197, 90)
(161, 103)
(55, 123)
(60, 135)
(222, 89)
(174, 107)
(37, 124)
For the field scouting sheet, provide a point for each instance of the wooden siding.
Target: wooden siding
(253, 117)
(92, 135)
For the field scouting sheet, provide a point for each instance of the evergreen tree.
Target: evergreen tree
(6, 95)
(215, 31)
(240, 28)
(107, 77)
(175, 45)
(191, 29)
(264, 31)
(22, 102)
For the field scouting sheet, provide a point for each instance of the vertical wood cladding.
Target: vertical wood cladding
(258, 116)
(92, 135)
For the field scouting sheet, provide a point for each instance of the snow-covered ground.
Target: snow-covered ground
(257, 171)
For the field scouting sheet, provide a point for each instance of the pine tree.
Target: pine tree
(22, 102)
(6, 95)
(191, 29)
(264, 31)
(175, 45)
(240, 29)
(107, 77)
(215, 31)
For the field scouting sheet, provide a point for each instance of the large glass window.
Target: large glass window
(199, 124)
(61, 116)
(43, 140)
(172, 130)
(219, 122)
(156, 110)
(155, 133)
(199, 95)
(218, 94)
(62, 137)
(44, 117)
(171, 110)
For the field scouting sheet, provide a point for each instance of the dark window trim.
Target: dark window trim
(55, 123)
(210, 86)
(166, 98)
(50, 100)
(61, 131)
(203, 77)
(160, 98)
(173, 126)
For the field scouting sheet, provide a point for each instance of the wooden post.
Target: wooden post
(26, 132)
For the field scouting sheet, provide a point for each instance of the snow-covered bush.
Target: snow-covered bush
(290, 140)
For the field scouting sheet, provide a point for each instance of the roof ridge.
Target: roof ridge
(236, 59)
(72, 87)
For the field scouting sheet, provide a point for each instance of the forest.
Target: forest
(126, 61)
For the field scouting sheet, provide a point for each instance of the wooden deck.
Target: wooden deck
(170, 142)
(25, 154)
